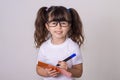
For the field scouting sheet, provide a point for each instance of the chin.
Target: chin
(60, 37)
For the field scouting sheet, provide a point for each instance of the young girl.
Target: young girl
(58, 34)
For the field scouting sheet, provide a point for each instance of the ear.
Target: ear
(69, 27)
(70, 30)
(46, 26)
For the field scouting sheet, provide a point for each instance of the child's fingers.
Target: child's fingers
(47, 71)
(63, 65)
(51, 73)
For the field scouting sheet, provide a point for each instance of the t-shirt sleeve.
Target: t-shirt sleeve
(78, 58)
(40, 56)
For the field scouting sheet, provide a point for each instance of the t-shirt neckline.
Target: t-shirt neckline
(57, 45)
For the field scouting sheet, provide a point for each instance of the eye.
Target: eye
(64, 23)
(53, 22)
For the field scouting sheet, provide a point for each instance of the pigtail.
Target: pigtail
(40, 29)
(76, 25)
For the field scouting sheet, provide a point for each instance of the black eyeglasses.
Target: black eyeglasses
(55, 23)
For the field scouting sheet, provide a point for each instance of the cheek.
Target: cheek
(66, 30)
(50, 30)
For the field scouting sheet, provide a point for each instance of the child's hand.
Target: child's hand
(63, 65)
(51, 72)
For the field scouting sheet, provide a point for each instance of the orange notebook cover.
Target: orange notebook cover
(45, 65)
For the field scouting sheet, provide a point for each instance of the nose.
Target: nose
(59, 25)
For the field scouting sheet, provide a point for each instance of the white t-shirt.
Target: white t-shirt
(51, 54)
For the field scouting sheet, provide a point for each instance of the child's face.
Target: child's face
(58, 29)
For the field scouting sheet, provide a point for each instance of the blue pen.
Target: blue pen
(68, 58)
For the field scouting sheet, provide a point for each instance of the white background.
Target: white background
(101, 50)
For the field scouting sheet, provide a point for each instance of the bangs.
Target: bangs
(59, 15)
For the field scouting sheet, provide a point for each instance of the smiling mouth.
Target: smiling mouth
(58, 32)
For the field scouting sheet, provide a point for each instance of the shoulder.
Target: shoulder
(72, 45)
(44, 44)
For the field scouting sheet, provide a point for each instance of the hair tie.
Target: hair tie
(46, 9)
(68, 10)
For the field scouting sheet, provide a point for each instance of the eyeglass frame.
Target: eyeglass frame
(58, 22)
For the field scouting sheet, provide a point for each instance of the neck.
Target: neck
(58, 41)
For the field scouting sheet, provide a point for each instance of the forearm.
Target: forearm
(76, 71)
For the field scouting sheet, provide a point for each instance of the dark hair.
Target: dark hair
(58, 13)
